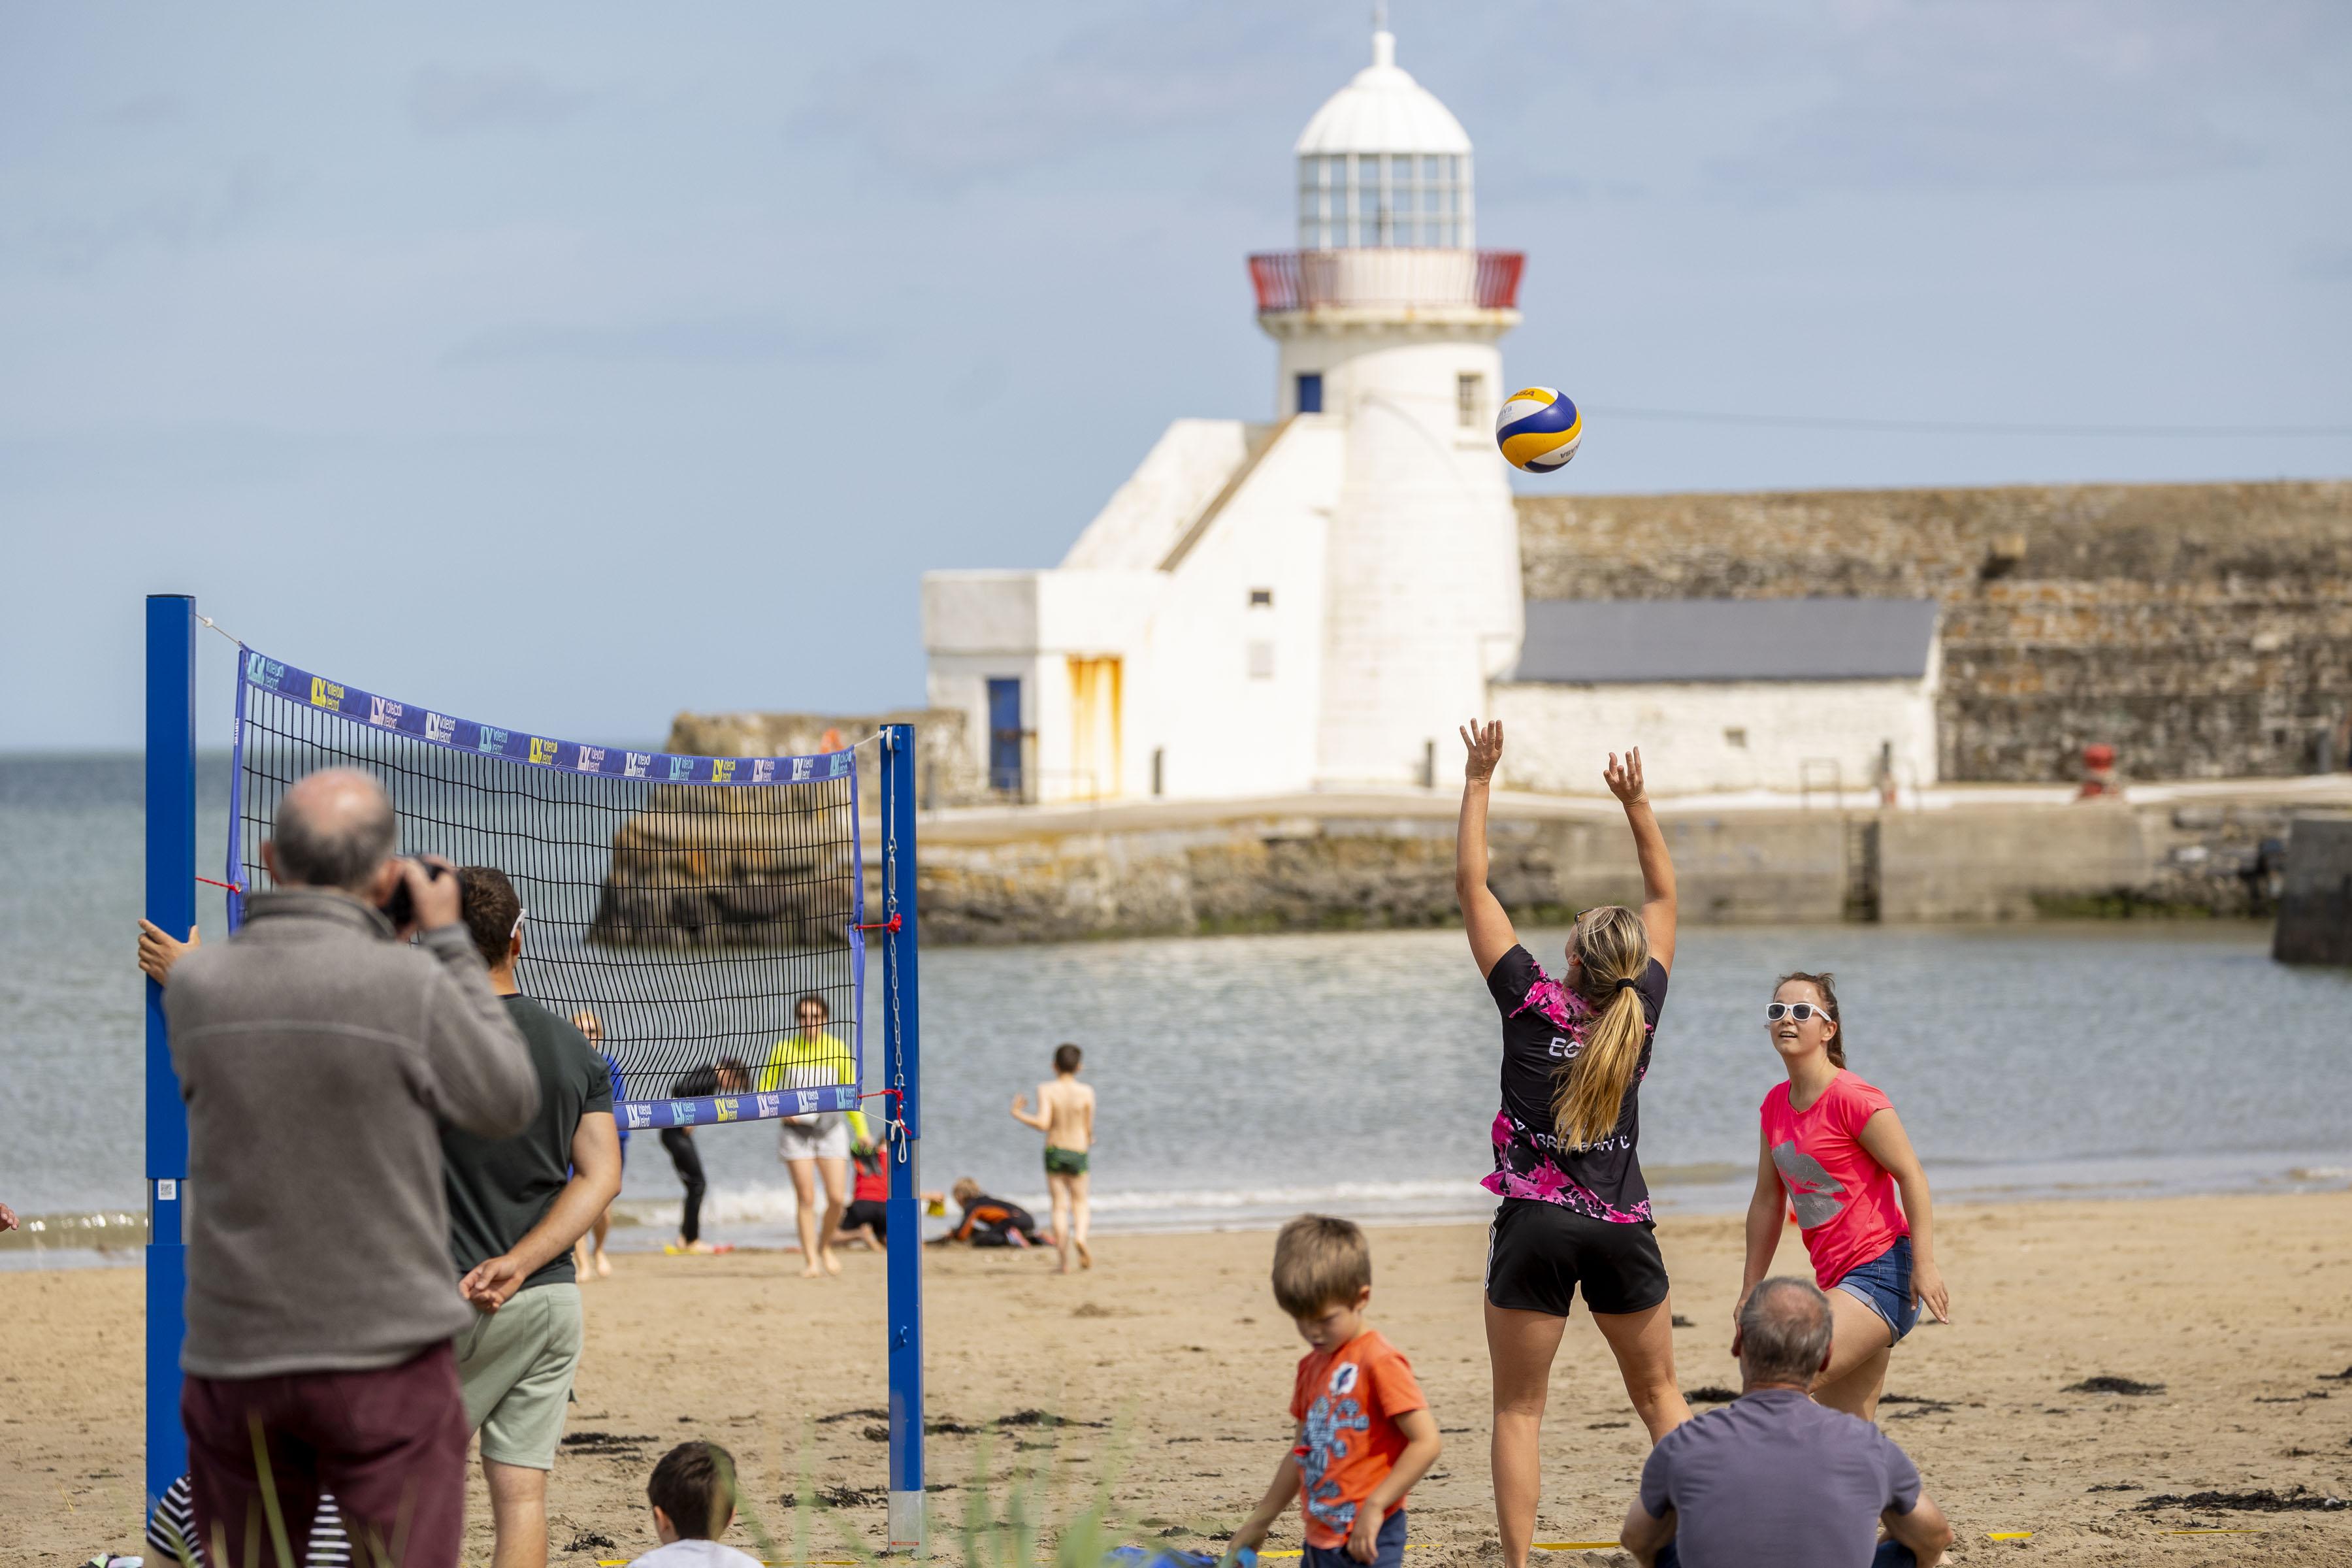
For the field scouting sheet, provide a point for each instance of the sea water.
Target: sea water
(1243, 1079)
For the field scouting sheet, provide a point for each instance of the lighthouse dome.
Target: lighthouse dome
(1384, 163)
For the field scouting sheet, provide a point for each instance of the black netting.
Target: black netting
(687, 918)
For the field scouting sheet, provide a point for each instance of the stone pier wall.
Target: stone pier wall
(2315, 924)
(2203, 630)
(1350, 873)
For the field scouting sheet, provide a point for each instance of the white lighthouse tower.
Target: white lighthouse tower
(1387, 319)
(1307, 602)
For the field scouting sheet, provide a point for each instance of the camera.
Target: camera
(401, 907)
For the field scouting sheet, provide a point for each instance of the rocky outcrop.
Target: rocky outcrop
(708, 866)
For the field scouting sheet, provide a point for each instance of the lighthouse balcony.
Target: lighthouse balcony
(1386, 280)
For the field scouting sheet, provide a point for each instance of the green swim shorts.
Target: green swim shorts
(515, 1368)
(1065, 1161)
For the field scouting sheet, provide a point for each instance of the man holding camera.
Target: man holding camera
(318, 1058)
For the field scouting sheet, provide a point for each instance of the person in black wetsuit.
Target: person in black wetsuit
(990, 1222)
(727, 1075)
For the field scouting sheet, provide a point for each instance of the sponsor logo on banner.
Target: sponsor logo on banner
(325, 693)
(840, 764)
(491, 740)
(802, 768)
(384, 713)
(636, 764)
(807, 1098)
(682, 1113)
(641, 1115)
(722, 769)
(763, 771)
(440, 727)
(263, 671)
(543, 750)
(726, 1109)
(681, 767)
(592, 759)
(771, 1105)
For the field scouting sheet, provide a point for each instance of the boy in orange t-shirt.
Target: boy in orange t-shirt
(1365, 1433)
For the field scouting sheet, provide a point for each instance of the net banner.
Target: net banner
(698, 917)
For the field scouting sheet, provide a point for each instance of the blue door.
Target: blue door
(1310, 392)
(1004, 736)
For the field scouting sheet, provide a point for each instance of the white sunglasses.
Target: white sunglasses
(1801, 1011)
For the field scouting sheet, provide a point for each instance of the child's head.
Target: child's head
(1066, 1059)
(693, 1492)
(965, 1190)
(1323, 1277)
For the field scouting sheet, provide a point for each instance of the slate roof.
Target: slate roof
(1624, 640)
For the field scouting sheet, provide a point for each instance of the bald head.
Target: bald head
(334, 829)
(1784, 1332)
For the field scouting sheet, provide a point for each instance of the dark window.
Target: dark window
(1261, 598)
(1004, 736)
(1310, 393)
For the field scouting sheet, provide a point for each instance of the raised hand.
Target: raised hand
(1624, 779)
(1486, 746)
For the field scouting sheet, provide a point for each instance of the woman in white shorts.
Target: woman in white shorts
(816, 1145)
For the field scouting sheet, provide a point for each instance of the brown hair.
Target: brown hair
(1066, 1059)
(1317, 1261)
(489, 906)
(694, 1484)
(1588, 1093)
(821, 1006)
(1823, 982)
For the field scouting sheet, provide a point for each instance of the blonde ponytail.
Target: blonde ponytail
(1588, 1092)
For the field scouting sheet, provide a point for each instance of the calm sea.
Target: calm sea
(1244, 1079)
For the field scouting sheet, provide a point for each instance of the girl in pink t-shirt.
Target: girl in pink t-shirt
(1833, 1150)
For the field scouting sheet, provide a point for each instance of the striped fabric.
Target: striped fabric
(172, 1531)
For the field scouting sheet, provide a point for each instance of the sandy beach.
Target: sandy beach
(2237, 1305)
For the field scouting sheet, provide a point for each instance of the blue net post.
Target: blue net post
(902, 1080)
(171, 904)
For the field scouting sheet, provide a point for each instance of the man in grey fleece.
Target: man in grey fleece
(318, 1057)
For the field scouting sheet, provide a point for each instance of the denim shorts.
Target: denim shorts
(1883, 1285)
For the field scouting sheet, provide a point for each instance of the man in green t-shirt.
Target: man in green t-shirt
(516, 1206)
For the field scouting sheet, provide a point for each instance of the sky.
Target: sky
(567, 366)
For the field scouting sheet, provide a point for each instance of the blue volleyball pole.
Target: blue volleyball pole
(171, 904)
(901, 1004)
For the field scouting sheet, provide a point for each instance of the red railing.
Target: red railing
(1387, 275)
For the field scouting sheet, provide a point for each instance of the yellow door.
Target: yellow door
(1093, 727)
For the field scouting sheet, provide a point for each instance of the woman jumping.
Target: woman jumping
(1575, 1211)
(1833, 1145)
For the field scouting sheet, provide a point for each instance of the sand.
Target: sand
(2236, 1305)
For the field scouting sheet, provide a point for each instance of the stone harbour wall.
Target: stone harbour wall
(2203, 630)
(1337, 873)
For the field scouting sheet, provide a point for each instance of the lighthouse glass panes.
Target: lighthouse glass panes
(1351, 199)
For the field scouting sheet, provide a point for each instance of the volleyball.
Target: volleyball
(1538, 429)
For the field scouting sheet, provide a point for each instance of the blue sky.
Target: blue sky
(564, 366)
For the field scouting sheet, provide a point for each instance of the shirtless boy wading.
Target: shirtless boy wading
(1065, 1115)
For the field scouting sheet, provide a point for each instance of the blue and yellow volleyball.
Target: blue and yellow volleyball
(1538, 429)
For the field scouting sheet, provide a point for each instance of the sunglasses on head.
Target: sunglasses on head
(1801, 1011)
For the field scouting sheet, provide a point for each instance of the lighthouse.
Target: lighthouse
(1306, 602)
(1386, 318)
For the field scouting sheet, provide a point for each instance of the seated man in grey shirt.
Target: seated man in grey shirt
(1774, 1481)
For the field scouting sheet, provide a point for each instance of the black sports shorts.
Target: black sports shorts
(1538, 1254)
(863, 1211)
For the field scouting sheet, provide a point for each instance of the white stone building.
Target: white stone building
(1312, 603)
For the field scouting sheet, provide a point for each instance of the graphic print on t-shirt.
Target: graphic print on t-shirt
(1813, 1191)
(1335, 1412)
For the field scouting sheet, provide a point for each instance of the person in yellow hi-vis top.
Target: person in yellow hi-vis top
(817, 1145)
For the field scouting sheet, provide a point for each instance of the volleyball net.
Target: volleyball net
(686, 909)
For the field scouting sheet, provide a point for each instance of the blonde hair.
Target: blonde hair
(1317, 1261)
(1587, 1092)
(1821, 982)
